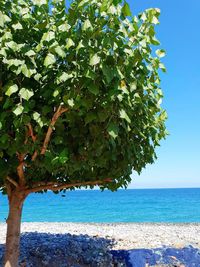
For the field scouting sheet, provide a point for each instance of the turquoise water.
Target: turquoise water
(146, 205)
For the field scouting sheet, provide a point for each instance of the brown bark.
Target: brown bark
(16, 200)
(56, 115)
(54, 119)
(57, 186)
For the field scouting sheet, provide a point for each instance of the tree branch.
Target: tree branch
(20, 169)
(57, 114)
(34, 137)
(54, 119)
(30, 133)
(34, 156)
(57, 186)
(12, 181)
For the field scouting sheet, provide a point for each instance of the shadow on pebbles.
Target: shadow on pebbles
(66, 250)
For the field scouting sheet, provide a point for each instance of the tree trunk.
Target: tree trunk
(16, 200)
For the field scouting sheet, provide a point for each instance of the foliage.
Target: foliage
(96, 62)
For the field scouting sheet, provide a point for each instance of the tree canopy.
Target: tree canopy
(80, 96)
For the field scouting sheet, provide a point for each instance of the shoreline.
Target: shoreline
(125, 235)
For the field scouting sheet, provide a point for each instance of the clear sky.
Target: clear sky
(178, 163)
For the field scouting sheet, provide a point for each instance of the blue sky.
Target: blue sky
(178, 163)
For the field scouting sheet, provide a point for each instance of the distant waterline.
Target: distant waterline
(144, 205)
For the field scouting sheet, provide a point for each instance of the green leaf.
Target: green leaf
(50, 59)
(155, 41)
(40, 2)
(28, 72)
(163, 115)
(3, 19)
(56, 93)
(60, 51)
(87, 25)
(160, 52)
(64, 77)
(18, 110)
(17, 26)
(154, 20)
(30, 53)
(104, 6)
(11, 89)
(70, 102)
(112, 10)
(70, 43)
(103, 115)
(48, 36)
(162, 67)
(15, 62)
(82, 3)
(1, 125)
(113, 130)
(126, 10)
(95, 59)
(64, 27)
(124, 115)
(12, 45)
(143, 16)
(90, 117)
(116, 2)
(37, 77)
(90, 74)
(64, 156)
(26, 94)
(54, 161)
(133, 86)
(80, 45)
(4, 138)
(153, 15)
(93, 88)
(108, 73)
(36, 116)
(58, 140)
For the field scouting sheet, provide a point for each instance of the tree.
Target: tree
(79, 98)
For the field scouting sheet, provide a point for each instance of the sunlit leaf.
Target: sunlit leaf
(160, 52)
(70, 43)
(124, 115)
(25, 93)
(95, 59)
(113, 130)
(18, 110)
(64, 77)
(126, 9)
(11, 89)
(49, 60)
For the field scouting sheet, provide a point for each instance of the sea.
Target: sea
(131, 205)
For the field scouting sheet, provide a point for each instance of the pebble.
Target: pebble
(129, 245)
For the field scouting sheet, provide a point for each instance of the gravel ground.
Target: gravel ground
(126, 235)
(107, 245)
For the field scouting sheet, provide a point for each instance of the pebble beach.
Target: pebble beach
(112, 244)
(126, 235)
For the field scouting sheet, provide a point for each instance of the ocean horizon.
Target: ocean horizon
(162, 205)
